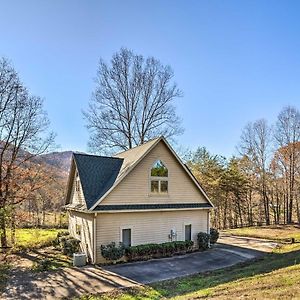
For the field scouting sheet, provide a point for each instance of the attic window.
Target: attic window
(159, 178)
(77, 183)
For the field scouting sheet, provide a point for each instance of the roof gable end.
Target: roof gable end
(134, 156)
(97, 175)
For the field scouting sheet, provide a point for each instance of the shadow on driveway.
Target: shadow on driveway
(70, 282)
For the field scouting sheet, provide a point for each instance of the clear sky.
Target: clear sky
(235, 61)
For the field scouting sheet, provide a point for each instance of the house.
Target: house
(143, 195)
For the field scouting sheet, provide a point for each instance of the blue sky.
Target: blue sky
(235, 61)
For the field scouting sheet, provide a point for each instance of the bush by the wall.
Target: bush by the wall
(112, 251)
(203, 240)
(147, 251)
(69, 245)
(214, 235)
(60, 234)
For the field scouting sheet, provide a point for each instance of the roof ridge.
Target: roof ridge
(151, 140)
(94, 155)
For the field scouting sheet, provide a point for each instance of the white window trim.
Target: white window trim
(121, 235)
(159, 179)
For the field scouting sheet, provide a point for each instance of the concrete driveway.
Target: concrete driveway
(227, 252)
(70, 282)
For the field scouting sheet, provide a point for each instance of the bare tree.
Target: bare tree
(133, 102)
(23, 135)
(255, 144)
(287, 136)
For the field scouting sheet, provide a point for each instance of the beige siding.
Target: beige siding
(76, 197)
(148, 227)
(135, 188)
(86, 237)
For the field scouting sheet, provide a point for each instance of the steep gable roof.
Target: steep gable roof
(132, 156)
(97, 175)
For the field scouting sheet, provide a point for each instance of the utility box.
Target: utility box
(79, 259)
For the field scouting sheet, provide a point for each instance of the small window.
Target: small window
(78, 229)
(159, 169)
(188, 232)
(126, 237)
(154, 186)
(77, 184)
(164, 186)
(159, 178)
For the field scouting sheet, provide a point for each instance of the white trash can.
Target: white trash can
(79, 259)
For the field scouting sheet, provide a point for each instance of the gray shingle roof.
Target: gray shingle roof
(97, 175)
(100, 174)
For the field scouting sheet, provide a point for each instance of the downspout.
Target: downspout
(95, 238)
(208, 222)
(208, 226)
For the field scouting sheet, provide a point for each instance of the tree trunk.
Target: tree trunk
(3, 229)
(13, 227)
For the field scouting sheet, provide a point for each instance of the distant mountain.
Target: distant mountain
(59, 160)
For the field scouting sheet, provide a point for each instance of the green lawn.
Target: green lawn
(276, 232)
(275, 276)
(35, 238)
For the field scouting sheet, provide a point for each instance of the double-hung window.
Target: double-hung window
(159, 180)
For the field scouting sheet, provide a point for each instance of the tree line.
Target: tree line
(24, 135)
(133, 102)
(260, 185)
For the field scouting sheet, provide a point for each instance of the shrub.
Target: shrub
(214, 235)
(203, 240)
(112, 252)
(60, 234)
(69, 245)
(147, 251)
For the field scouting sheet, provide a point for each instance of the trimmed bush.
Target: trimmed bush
(147, 251)
(203, 240)
(112, 251)
(214, 235)
(69, 245)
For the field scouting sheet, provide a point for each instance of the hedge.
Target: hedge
(147, 251)
(214, 235)
(112, 251)
(203, 240)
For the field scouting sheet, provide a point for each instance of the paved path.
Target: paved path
(229, 251)
(69, 282)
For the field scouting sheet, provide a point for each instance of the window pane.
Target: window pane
(188, 232)
(154, 186)
(78, 229)
(159, 169)
(164, 186)
(126, 237)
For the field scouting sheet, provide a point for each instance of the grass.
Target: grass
(274, 232)
(275, 276)
(34, 238)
